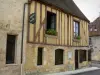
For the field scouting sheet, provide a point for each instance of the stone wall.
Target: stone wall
(48, 59)
(11, 14)
(10, 70)
(96, 48)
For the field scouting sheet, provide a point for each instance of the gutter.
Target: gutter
(22, 39)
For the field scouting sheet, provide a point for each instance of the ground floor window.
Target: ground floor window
(82, 55)
(40, 56)
(89, 55)
(10, 49)
(58, 56)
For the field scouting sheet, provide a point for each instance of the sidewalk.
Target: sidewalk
(76, 71)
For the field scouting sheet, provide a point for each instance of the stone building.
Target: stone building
(94, 33)
(55, 37)
(11, 15)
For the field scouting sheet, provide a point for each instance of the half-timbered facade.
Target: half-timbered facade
(57, 39)
(43, 37)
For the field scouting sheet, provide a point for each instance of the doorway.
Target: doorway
(76, 60)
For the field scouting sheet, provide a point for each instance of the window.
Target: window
(51, 20)
(90, 29)
(89, 55)
(90, 41)
(76, 29)
(10, 50)
(58, 56)
(39, 56)
(95, 30)
(82, 55)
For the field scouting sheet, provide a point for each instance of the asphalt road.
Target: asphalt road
(97, 72)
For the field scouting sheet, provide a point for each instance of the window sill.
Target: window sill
(59, 65)
(39, 65)
(76, 40)
(51, 36)
(11, 64)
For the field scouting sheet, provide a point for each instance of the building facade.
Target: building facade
(11, 14)
(94, 33)
(55, 37)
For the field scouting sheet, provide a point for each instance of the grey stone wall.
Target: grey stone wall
(96, 48)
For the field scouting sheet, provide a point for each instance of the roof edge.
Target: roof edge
(49, 4)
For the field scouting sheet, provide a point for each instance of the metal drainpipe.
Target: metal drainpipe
(23, 33)
(22, 39)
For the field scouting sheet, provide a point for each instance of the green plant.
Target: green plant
(78, 37)
(51, 32)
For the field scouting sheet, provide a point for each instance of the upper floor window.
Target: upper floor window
(95, 29)
(76, 29)
(51, 23)
(90, 29)
(51, 20)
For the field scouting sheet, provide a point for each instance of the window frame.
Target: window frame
(83, 56)
(74, 31)
(41, 57)
(15, 49)
(55, 26)
(57, 64)
(89, 55)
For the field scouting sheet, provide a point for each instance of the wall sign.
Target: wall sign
(69, 55)
(32, 18)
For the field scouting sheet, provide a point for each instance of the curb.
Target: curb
(76, 71)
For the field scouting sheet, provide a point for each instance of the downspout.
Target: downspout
(22, 39)
(23, 32)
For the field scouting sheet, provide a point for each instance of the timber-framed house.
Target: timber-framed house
(57, 38)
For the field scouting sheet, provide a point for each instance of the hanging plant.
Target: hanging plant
(78, 37)
(51, 32)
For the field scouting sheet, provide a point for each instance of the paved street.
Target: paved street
(95, 64)
(97, 72)
(94, 69)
